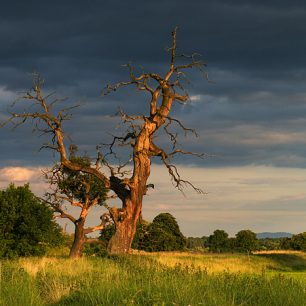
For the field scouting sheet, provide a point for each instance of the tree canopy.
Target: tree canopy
(79, 189)
(298, 242)
(78, 185)
(246, 241)
(26, 223)
(218, 241)
(164, 234)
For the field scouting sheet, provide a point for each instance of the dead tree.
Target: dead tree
(78, 189)
(163, 91)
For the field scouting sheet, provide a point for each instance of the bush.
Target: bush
(26, 223)
(141, 235)
(298, 242)
(246, 241)
(106, 234)
(95, 249)
(164, 235)
(286, 243)
(218, 241)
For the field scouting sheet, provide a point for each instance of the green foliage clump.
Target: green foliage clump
(271, 244)
(95, 249)
(26, 223)
(218, 241)
(141, 235)
(298, 242)
(285, 243)
(164, 235)
(74, 183)
(246, 241)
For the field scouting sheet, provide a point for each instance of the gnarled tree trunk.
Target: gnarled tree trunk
(121, 241)
(126, 218)
(79, 239)
(125, 223)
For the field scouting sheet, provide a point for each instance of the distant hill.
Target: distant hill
(273, 235)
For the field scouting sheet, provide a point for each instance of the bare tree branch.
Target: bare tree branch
(179, 183)
(105, 220)
(57, 208)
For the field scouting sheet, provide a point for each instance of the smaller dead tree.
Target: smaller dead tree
(77, 189)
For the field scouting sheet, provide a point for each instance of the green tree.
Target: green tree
(246, 241)
(231, 244)
(298, 242)
(26, 223)
(164, 235)
(285, 243)
(141, 235)
(271, 243)
(76, 188)
(218, 242)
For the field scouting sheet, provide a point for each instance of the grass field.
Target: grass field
(156, 279)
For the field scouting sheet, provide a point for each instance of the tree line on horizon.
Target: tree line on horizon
(245, 241)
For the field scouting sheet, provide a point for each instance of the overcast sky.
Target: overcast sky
(251, 118)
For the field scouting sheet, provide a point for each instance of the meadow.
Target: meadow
(156, 279)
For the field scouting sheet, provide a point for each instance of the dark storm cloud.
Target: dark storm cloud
(235, 33)
(255, 52)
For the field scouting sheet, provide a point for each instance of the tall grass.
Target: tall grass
(236, 263)
(142, 280)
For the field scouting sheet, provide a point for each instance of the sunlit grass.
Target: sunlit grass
(156, 279)
(300, 253)
(235, 263)
(216, 263)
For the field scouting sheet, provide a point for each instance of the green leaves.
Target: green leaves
(75, 182)
(246, 241)
(218, 242)
(163, 234)
(26, 223)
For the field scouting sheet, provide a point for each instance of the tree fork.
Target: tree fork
(79, 239)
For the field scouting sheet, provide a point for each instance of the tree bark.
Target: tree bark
(125, 223)
(126, 220)
(121, 241)
(79, 239)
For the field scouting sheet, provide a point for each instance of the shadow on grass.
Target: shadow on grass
(286, 262)
(75, 298)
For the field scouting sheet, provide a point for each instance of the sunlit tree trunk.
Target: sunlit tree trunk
(79, 239)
